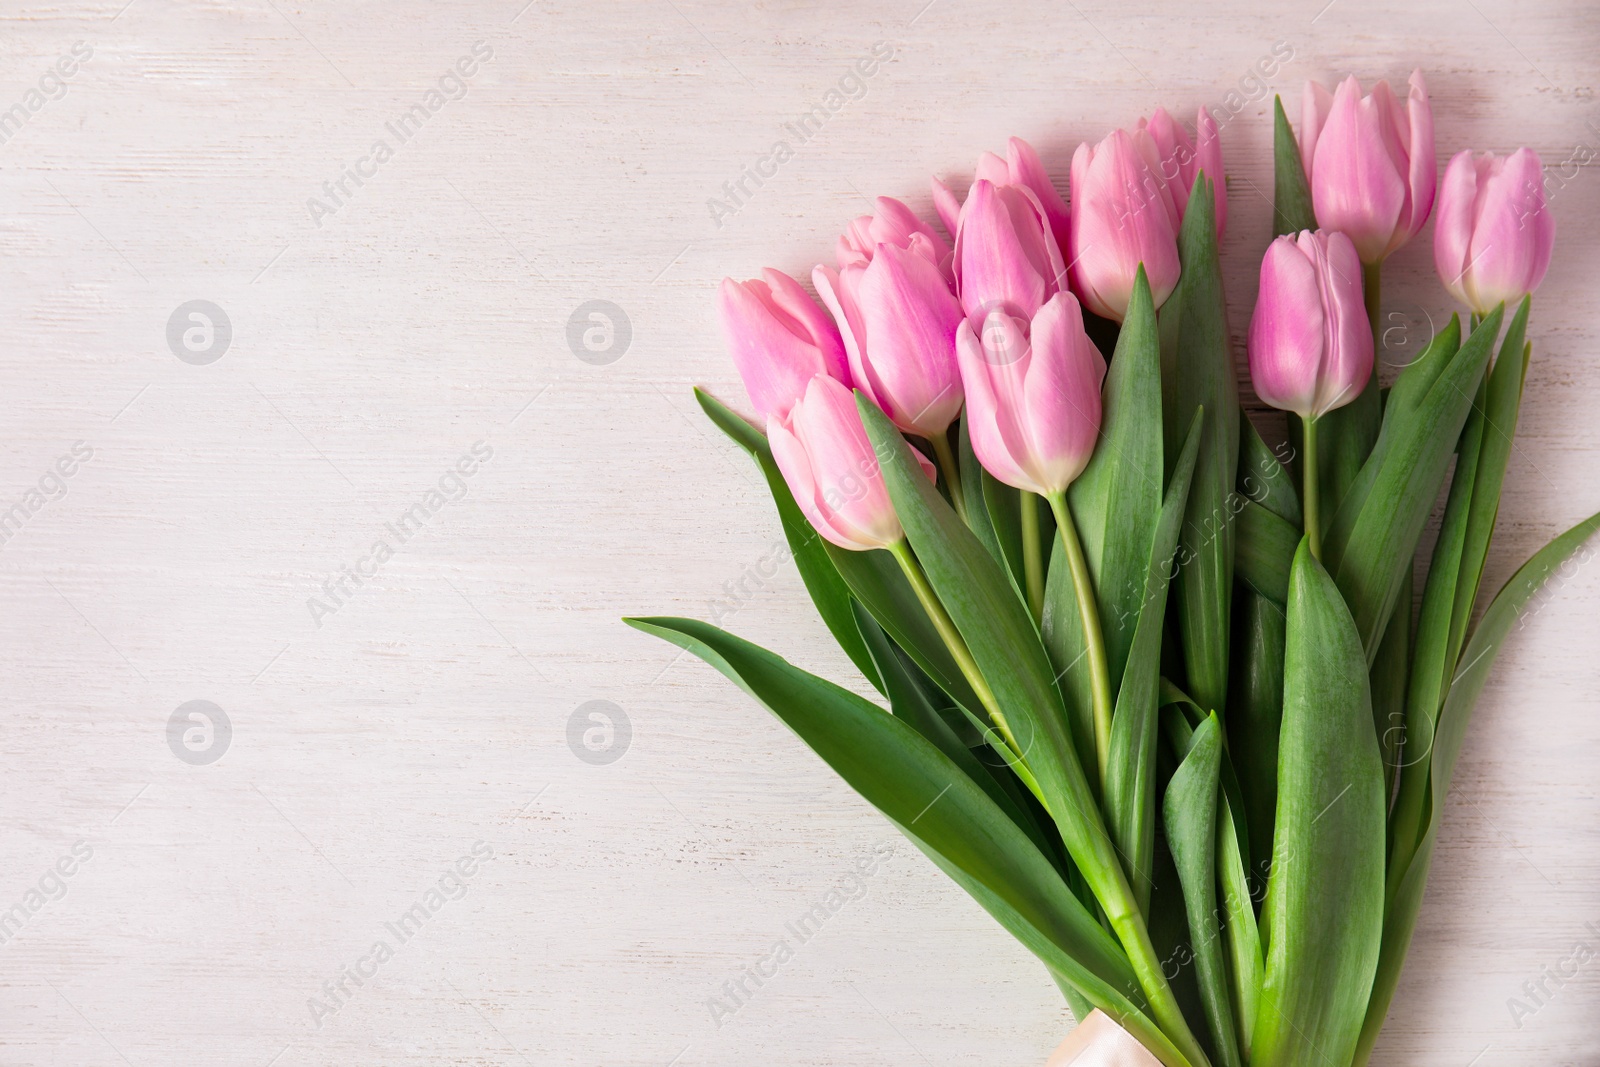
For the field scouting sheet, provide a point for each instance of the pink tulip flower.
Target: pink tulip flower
(1494, 232)
(1033, 395)
(828, 461)
(1124, 216)
(1310, 343)
(1370, 162)
(780, 339)
(898, 316)
(894, 224)
(1006, 256)
(1021, 166)
(1181, 159)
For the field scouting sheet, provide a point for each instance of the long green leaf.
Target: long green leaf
(1369, 548)
(1130, 788)
(1262, 476)
(1190, 817)
(828, 590)
(1254, 720)
(1006, 647)
(943, 811)
(1116, 499)
(1323, 917)
(1265, 545)
(1291, 194)
(1508, 608)
(1198, 371)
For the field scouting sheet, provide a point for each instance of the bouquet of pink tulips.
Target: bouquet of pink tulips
(1162, 698)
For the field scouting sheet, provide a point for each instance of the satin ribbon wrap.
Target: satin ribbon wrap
(1100, 1042)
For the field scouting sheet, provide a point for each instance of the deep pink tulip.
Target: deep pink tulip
(1033, 395)
(1494, 233)
(828, 461)
(899, 317)
(1310, 343)
(1021, 166)
(1006, 256)
(1124, 216)
(1182, 158)
(1370, 162)
(780, 339)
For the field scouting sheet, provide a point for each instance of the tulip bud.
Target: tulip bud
(1124, 216)
(1370, 162)
(899, 317)
(1494, 233)
(892, 224)
(828, 461)
(1181, 160)
(1033, 395)
(1310, 344)
(1021, 166)
(1006, 256)
(780, 339)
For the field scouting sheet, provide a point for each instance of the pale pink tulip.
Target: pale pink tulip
(1124, 216)
(1370, 162)
(780, 339)
(1006, 257)
(828, 461)
(894, 224)
(899, 317)
(1021, 166)
(1033, 395)
(1182, 159)
(1310, 343)
(1494, 233)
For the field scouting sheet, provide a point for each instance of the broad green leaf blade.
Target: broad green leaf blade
(1501, 402)
(1254, 718)
(1190, 816)
(1006, 647)
(906, 777)
(1262, 476)
(1116, 499)
(1369, 547)
(1246, 970)
(911, 705)
(1291, 195)
(1097, 992)
(1323, 917)
(1388, 681)
(1406, 885)
(828, 590)
(1264, 545)
(1432, 661)
(875, 580)
(1130, 788)
(1198, 371)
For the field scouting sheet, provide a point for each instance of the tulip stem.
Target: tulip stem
(1371, 291)
(1032, 566)
(952, 475)
(1094, 642)
(1310, 491)
(953, 641)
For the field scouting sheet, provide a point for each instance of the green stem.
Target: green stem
(1310, 490)
(953, 640)
(1032, 567)
(952, 474)
(1094, 642)
(1371, 290)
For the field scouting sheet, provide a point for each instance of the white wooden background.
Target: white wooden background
(375, 745)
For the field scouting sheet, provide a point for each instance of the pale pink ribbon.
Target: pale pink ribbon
(1100, 1042)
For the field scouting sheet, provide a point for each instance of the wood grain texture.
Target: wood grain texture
(373, 746)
